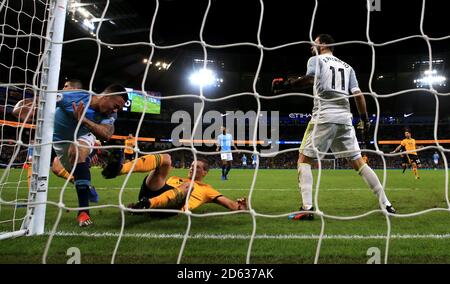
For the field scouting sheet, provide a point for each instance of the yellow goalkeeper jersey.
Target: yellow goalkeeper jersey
(410, 145)
(202, 192)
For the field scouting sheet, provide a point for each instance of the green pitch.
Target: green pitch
(139, 103)
(225, 239)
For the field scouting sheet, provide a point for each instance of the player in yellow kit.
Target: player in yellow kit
(159, 191)
(129, 142)
(411, 157)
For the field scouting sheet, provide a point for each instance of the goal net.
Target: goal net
(26, 29)
(32, 40)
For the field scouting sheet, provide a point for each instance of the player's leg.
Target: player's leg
(346, 141)
(59, 170)
(405, 162)
(371, 179)
(224, 164)
(82, 174)
(305, 180)
(29, 167)
(322, 137)
(414, 169)
(415, 164)
(155, 193)
(157, 176)
(145, 163)
(228, 163)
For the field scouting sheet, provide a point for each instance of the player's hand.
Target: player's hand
(94, 159)
(279, 85)
(242, 203)
(364, 126)
(23, 109)
(78, 110)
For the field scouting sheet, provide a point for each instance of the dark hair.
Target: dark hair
(75, 83)
(205, 163)
(115, 88)
(326, 39)
(407, 129)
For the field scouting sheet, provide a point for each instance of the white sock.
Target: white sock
(305, 183)
(373, 182)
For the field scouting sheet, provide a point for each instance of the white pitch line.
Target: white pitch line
(247, 237)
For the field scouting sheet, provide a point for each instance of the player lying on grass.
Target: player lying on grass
(161, 191)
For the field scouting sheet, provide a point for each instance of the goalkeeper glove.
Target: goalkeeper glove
(242, 203)
(279, 85)
(364, 126)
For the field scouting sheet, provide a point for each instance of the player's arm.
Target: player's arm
(218, 145)
(239, 204)
(23, 108)
(279, 85)
(301, 82)
(361, 106)
(364, 123)
(102, 131)
(397, 149)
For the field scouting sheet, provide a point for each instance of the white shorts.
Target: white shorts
(244, 163)
(436, 162)
(62, 149)
(226, 156)
(338, 137)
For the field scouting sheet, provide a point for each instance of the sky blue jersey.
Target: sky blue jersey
(225, 142)
(65, 121)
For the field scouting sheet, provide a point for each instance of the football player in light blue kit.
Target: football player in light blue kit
(254, 160)
(98, 122)
(331, 122)
(224, 143)
(244, 161)
(435, 160)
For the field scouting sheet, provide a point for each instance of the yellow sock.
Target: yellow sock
(143, 164)
(170, 199)
(65, 175)
(416, 173)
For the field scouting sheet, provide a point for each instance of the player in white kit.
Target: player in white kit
(331, 122)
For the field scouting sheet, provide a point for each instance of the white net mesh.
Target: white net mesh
(19, 78)
(23, 28)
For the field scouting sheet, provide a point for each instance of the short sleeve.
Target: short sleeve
(353, 83)
(311, 66)
(211, 193)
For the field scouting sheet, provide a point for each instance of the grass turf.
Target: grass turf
(225, 239)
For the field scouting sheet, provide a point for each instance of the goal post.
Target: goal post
(328, 164)
(48, 69)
